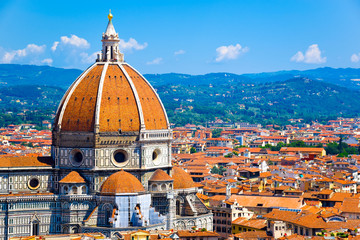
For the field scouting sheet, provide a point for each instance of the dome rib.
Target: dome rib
(68, 94)
(114, 114)
(108, 97)
(156, 94)
(79, 108)
(141, 114)
(99, 97)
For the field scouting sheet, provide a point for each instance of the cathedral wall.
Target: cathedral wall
(187, 223)
(26, 180)
(106, 157)
(69, 157)
(28, 216)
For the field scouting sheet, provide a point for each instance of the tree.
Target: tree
(192, 150)
(277, 147)
(341, 150)
(298, 144)
(216, 170)
(332, 148)
(216, 132)
(267, 146)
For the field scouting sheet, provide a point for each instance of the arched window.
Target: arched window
(83, 190)
(154, 187)
(178, 207)
(107, 215)
(74, 190)
(66, 189)
(35, 228)
(163, 187)
(75, 230)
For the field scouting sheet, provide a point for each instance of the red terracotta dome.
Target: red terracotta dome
(182, 179)
(121, 182)
(111, 97)
(159, 175)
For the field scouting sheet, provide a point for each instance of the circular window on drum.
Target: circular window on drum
(34, 183)
(120, 158)
(76, 157)
(156, 156)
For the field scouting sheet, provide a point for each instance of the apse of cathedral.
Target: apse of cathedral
(110, 166)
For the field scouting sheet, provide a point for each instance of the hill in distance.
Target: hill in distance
(15, 74)
(273, 102)
(261, 98)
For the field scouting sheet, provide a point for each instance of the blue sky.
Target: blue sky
(195, 37)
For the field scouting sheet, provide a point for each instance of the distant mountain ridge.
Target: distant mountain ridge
(32, 93)
(15, 74)
(346, 77)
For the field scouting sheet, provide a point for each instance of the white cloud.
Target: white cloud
(298, 57)
(155, 61)
(131, 44)
(54, 46)
(312, 55)
(31, 49)
(179, 52)
(47, 61)
(86, 58)
(75, 41)
(355, 57)
(230, 52)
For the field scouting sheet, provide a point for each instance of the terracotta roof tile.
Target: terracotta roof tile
(182, 179)
(24, 161)
(121, 182)
(160, 175)
(73, 177)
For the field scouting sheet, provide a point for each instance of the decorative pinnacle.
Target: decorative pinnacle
(110, 16)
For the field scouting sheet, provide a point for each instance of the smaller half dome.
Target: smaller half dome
(159, 176)
(73, 177)
(121, 182)
(182, 179)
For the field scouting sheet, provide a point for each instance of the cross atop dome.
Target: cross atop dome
(110, 47)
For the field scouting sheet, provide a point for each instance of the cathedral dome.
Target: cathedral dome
(182, 179)
(121, 182)
(110, 96)
(160, 176)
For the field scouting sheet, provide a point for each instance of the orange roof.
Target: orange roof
(311, 220)
(160, 175)
(118, 105)
(28, 161)
(186, 233)
(253, 235)
(182, 179)
(121, 182)
(253, 223)
(154, 115)
(117, 99)
(267, 201)
(73, 177)
(79, 112)
(301, 149)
